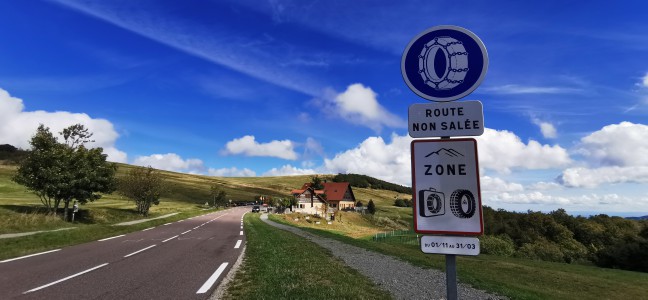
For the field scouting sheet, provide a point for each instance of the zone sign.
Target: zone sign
(445, 185)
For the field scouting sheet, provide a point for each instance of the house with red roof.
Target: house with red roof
(334, 195)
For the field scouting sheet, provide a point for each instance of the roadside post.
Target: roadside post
(75, 209)
(444, 64)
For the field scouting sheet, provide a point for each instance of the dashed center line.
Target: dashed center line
(66, 278)
(110, 238)
(185, 232)
(173, 237)
(141, 250)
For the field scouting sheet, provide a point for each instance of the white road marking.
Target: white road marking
(170, 238)
(110, 238)
(241, 232)
(138, 251)
(238, 244)
(241, 227)
(66, 278)
(26, 256)
(212, 279)
(148, 228)
(166, 224)
(196, 227)
(185, 232)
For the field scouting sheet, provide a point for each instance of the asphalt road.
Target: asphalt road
(181, 260)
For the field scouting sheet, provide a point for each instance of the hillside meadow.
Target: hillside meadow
(21, 211)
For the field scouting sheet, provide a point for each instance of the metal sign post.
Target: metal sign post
(444, 64)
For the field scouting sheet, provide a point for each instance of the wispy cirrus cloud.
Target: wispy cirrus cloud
(253, 54)
(515, 89)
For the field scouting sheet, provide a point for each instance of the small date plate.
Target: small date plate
(450, 245)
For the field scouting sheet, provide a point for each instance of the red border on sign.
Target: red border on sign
(414, 193)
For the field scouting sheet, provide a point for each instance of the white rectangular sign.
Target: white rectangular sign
(445, 183)
(460, 118)
(450, 245)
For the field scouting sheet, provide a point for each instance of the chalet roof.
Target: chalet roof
(334, 190)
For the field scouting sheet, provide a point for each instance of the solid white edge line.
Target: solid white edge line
(166, 224)
(212, 279)
(110, 238)
(26, 256)
(66, 278)
(138, 251)
(148, 228)
(241, 232)
(173, 237)
(238, 244)
(185, 232)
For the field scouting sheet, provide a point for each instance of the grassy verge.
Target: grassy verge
(515, 278)
(281, 265)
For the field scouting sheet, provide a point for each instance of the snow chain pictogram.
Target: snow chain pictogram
(462, 204)
(456, 63)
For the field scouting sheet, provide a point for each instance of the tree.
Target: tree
(359, 203)
(145, 186)
(58, 172)
(218, 195)
(371, 207)
(316, 183)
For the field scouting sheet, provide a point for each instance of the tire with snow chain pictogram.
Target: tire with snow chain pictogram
(455, 63)
(463, 204)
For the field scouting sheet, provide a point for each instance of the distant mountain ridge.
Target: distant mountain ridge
(638, 218)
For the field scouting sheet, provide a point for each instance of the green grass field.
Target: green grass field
(281, 265)
(21, 211)
(512, 277)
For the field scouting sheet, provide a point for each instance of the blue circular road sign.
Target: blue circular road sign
(444, 63)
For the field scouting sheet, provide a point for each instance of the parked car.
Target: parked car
(256, 208)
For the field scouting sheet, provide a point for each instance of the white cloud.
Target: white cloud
(644, 80)
(287, 170)
(615, 154)
(514, 89)
(387, 161)
(359, 105)
(497, 185)
(249, 147)
(543, 186)
(548, 130)
(503, 150)
(498, 150)
(624, 144)
(231, 172)
(17, 126)
(171, 162)
(590, 178)
(534, 197)
(313, 147)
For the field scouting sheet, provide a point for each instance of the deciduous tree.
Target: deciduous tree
(145, 186)
(59, 172)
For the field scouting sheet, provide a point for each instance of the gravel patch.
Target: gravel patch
(401, 279)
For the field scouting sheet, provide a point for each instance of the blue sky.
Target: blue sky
(258, 88)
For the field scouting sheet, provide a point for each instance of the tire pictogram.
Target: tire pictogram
(462, 204)
(454, 58)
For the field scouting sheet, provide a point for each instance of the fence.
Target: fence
(408, 237)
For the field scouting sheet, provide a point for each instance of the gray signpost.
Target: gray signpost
(444, 64)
